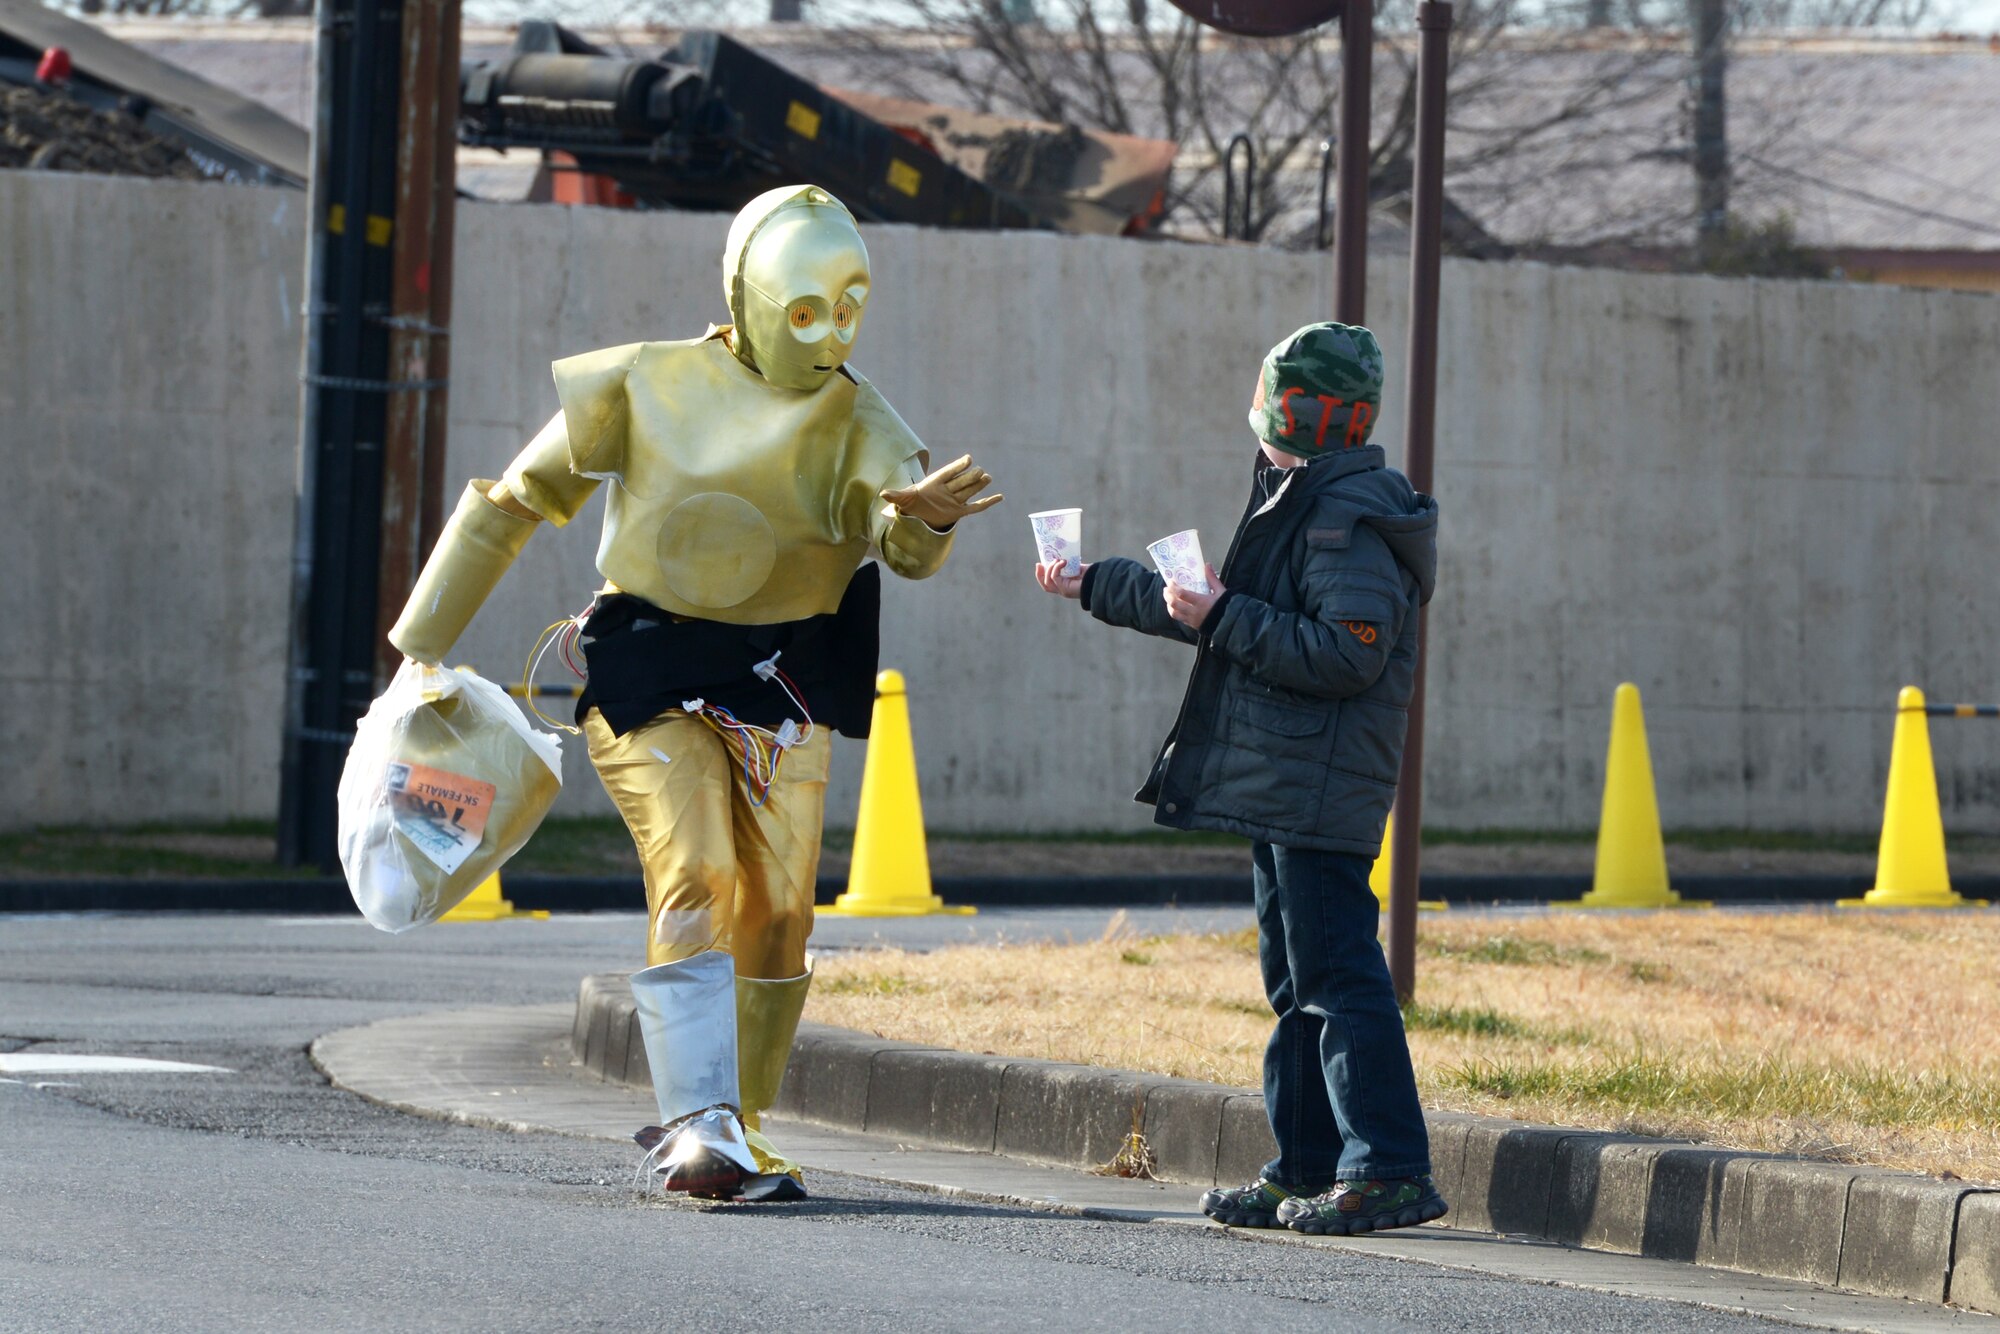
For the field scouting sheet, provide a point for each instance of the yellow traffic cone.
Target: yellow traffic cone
(485, 904)
(890, 875)
(1631, 852)
(1378, 874)
(1910, 863)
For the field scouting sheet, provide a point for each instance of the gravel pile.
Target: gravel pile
(49, 132)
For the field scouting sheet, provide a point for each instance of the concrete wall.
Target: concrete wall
(149, 422)
(1769, 504)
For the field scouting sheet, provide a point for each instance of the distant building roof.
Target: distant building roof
(1880, 144)
(1867, 144)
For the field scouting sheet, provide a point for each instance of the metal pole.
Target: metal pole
(332, 669)
(1320, 239)
(1229, 187)
(1711, 124)
(291, 780)
(1350, 211)
(346, 434)
(1420, 422)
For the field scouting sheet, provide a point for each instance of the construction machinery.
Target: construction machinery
(711, 123)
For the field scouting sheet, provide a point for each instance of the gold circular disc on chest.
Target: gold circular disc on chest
(716, 549)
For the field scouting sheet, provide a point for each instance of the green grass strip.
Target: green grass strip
(1767, 1086)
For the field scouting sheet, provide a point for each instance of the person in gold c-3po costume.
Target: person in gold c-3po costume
(751, 474)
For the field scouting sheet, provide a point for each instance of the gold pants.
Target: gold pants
(721, 871)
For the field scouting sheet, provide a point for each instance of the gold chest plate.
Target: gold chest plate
(729, 499)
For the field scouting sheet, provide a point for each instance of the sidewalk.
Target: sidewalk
(514, 1069)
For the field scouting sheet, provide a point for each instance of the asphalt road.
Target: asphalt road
(263, 1199)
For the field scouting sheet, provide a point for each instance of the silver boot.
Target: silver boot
(687, 1015)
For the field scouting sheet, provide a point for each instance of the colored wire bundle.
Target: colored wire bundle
(762, 749)
(561, 636)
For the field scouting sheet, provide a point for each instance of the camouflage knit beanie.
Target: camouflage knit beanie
(1319, 391)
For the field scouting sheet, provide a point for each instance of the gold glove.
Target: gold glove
(946, 496)
(478, 544)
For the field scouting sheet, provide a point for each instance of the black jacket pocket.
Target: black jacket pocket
(1283, 719)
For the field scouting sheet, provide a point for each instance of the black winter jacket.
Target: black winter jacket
(1291, 731)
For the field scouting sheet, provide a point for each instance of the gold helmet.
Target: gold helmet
(796, 275)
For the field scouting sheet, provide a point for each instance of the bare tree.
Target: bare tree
(1576, 130)
(1119, 66)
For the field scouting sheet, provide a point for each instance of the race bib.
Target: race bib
(443, 813)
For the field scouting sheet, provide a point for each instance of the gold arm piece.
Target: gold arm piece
(479, 543)
(596, 412)
(540, 482)
(503, 495)
(911, 548)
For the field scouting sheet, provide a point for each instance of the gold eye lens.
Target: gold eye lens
(843, 315)
(802, 316)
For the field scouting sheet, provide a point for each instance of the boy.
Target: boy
(1291, 733)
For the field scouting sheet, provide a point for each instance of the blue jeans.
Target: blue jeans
(1338, 1086)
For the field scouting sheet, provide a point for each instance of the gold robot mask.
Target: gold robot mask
(796, 274)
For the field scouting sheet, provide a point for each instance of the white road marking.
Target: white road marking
(66, 1063)
(594, 916)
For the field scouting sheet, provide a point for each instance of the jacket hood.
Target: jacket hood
(1383, 499)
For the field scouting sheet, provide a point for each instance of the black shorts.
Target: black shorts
(644, 661)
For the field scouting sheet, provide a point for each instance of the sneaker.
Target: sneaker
(773, 1188)
(1364, 1206)
(1254, 1205)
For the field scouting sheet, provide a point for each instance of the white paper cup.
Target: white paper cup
(1179, 560)
(1059, 536)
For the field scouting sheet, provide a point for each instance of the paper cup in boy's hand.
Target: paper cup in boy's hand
(1179, 559)
(1059, 537)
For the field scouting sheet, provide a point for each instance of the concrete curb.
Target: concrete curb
(1860, 1228)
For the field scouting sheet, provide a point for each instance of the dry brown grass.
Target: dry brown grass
(1864, 1037)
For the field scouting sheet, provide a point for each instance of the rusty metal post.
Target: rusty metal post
(1420, 424)
(444, 232)
(413, 480)
(1350, 213)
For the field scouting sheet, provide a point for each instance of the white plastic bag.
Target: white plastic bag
(445, 781)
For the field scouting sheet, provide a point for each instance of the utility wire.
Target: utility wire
(1896, 168)
(1865, 197)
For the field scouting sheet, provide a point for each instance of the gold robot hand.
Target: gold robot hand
(946, 496)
